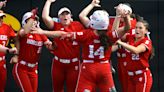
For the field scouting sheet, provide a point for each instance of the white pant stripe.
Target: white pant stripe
(80, 68)
(144, 87)
(16, 71)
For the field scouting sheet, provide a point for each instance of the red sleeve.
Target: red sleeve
(127, 36)
(133, 23)
(111, 20)
(113, 35)
(55, 25)
(148, 44)
(44, 38)
(11, 32)
(82, 36)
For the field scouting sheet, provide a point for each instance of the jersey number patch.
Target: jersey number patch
(135, 57)
(99, 52)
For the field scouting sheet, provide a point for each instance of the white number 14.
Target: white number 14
(99, 52)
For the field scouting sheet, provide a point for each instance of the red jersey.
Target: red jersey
(111, 20)
(91, 46)
(67, 48)
(121, 53)
(141, 60)
(6, 32)
(30, 47)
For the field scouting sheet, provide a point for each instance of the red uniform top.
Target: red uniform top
(111, 20)
(67, 48)
(30, 47)
(91, 46)
(6, 32)
(141, 60)
(121, 53)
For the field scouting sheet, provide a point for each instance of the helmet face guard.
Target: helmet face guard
(99, 20)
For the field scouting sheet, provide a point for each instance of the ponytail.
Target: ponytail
(104, 39)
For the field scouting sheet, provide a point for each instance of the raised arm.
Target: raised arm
(122, 11)
(45, 14)
(121, 31)
(117, 18)
(3, 3)
(83, 15)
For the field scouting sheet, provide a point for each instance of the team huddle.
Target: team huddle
(96, 36)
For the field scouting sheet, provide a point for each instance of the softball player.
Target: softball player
(95, 69)
(138, 73)
(6, 33)
(121, 52)
(65, 66)
(121, 58)
(30, 46)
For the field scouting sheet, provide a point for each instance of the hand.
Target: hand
(36, 30)
(13, 50)
(3, 4)
(119, 10)
(96, 3)
(51, 0)
(118, 41)
(123, 10)
(34, 11)
(14, 59)
(51, 45)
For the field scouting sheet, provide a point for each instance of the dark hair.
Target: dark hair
(136, 16)
(104, 39)
(146, 24)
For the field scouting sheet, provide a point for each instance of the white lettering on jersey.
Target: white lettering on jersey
(133, 31)
(75, 43)
(147, 42)
(135, 57)
(3, 37)
(99, 52)
(30, 36)
(33, 42)
(79, 33)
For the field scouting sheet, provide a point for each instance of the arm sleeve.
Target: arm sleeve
(113, 35)
(148, 44)
(44, 38)
(11, 32)
(81, 36)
